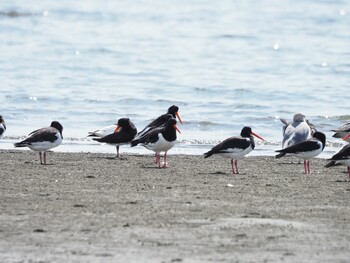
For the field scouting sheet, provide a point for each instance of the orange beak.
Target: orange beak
(257, 136)
(346, 137)
(178, 116)
(117, 129)
(177, 128)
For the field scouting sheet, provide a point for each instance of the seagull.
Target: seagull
(123, 134)
(235, 147)
(306, 149)
(342, 131)
(43, 139)
(2, 127)
(297, 131)
(341, 158)
(103, 131)
(161, 120)
(159, 140)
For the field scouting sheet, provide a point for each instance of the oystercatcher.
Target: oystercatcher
(341, 158)
(43, 139)
(161, 120)
(2, 127)
(306, 149)
(235, 147)
(123, 134)
(159, 140)
(297, 131)
(342, 131)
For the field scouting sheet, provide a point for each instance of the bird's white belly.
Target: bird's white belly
(161, 145)
(308, 155)
(345, 162)
(236, 153)
(45, 145)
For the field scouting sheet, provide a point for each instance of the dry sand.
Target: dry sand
(93, 208)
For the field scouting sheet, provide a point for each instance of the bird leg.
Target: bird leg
(233, 166)
(236, 167)
(308, 166)
(158, 159)
(349, 171)
(41, 160)
(117, 151)
(44, 157)
(305, 168)
(164, 165)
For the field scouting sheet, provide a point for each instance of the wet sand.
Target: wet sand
(93, 208)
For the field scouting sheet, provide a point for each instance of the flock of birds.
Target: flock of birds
(300, 139)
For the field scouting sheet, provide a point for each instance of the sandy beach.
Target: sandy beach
(86, 207)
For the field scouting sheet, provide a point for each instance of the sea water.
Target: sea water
(226, 64)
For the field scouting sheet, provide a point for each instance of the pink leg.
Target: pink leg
(236, 167)
(164, 165)
(233, 166)
(305, 166)
(349, 171)
(308, 167)
(41, 160)
(158, 159)
(44, 157)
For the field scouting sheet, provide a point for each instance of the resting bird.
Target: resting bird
(295, 132)
(341, 158)
(43, 139)
(235, 147)
(123, 134)
(2, 127)
(159, 140)
(342, 131)
(103, 131)
(161, 120)
(306, 149)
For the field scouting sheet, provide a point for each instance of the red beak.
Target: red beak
(117, 129)
(257, 136)
(177, 128)
(346, 137)
(178, 116)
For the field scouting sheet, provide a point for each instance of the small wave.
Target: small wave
(14, 14)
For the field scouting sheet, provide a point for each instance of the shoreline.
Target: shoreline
(91, 207)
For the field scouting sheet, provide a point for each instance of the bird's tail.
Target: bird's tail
(331, 163)
(280, 155)
(97, 139)
(208, 154)
(134, 142)
(21, 144)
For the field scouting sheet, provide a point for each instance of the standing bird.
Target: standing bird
(235, 147)
(342, 131)
(159, 140)
(297, 131)
(123, 134)
(2, 127)
(341, 158)
(43, 139)
(161, 120)
(306, 149)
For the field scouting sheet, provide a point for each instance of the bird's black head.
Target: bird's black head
(171, 122)
(172, 110)
(57, 125)
(1, 119)
(124, 122)
(168, 117)
(321, 137)
(246, 131)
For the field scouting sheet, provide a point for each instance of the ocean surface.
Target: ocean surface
(226, 64)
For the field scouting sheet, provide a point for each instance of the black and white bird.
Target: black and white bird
(341, 158)
(342, 131)
(161, 120)
(2, 126)
(43, 139)
(306, 149)
(297, 131)
(235, 147)
(123, 134)
(159, 140)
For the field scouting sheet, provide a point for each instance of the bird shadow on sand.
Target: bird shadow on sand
(215, 173)
(110, 158)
